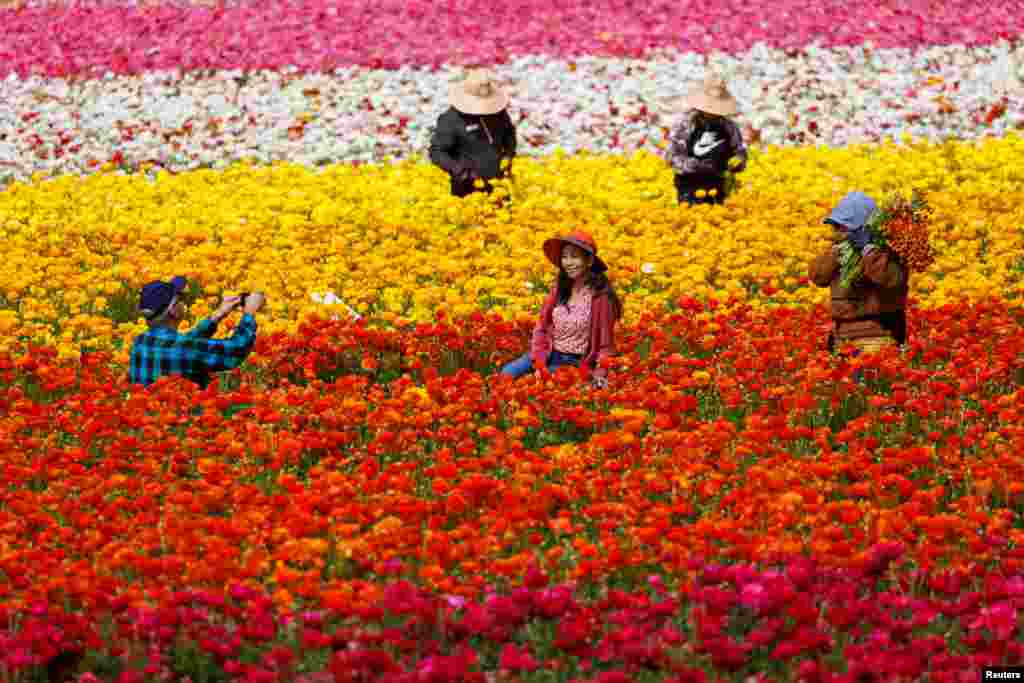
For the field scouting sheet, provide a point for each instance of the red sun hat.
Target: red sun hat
(583, 240)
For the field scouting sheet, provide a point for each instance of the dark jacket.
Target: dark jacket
(478, 144)
(875, 305)
(602, 332)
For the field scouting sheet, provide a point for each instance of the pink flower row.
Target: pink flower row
(798, 621)
(318, 35)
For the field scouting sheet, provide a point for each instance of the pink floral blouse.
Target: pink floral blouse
(570, 329)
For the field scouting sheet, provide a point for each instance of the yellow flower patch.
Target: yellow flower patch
(390, 242)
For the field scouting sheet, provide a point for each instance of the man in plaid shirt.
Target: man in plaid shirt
(195, 355)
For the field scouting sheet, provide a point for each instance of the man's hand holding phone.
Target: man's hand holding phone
(248, 302)
(252, 302)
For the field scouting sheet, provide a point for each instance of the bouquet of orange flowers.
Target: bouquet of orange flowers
(904, 227)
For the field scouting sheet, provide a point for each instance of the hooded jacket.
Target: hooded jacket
(875, 305)
(700, 148)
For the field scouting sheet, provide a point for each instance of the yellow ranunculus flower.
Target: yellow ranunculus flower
(390, 239)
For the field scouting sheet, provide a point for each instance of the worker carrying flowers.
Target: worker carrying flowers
(475, 140)
(868, 268)
(707, 146)
(576, 326)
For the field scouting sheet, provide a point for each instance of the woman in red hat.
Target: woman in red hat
(577, 322)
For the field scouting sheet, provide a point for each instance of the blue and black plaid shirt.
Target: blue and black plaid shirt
(163, 351)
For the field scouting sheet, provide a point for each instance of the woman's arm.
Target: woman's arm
(540, 344)
(824, 268)
(508, 143)
(883, 269)
(604, 320)
(444, 142)
(739, 149)
(678, 140)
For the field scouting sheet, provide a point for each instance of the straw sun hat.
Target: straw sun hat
(712, 97)
(478, 93)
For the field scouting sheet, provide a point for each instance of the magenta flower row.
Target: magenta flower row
(322, 35)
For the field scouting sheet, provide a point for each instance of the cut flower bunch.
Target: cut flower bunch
(901, 225)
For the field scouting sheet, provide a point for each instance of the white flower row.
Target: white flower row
(818, 96)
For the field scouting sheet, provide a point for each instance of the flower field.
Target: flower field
(370, 501)
(735, 504)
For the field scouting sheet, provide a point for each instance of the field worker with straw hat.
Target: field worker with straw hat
(705, 142)
(475, 139)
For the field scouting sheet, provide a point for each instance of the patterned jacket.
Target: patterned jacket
(686, 156)
(602, 332)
